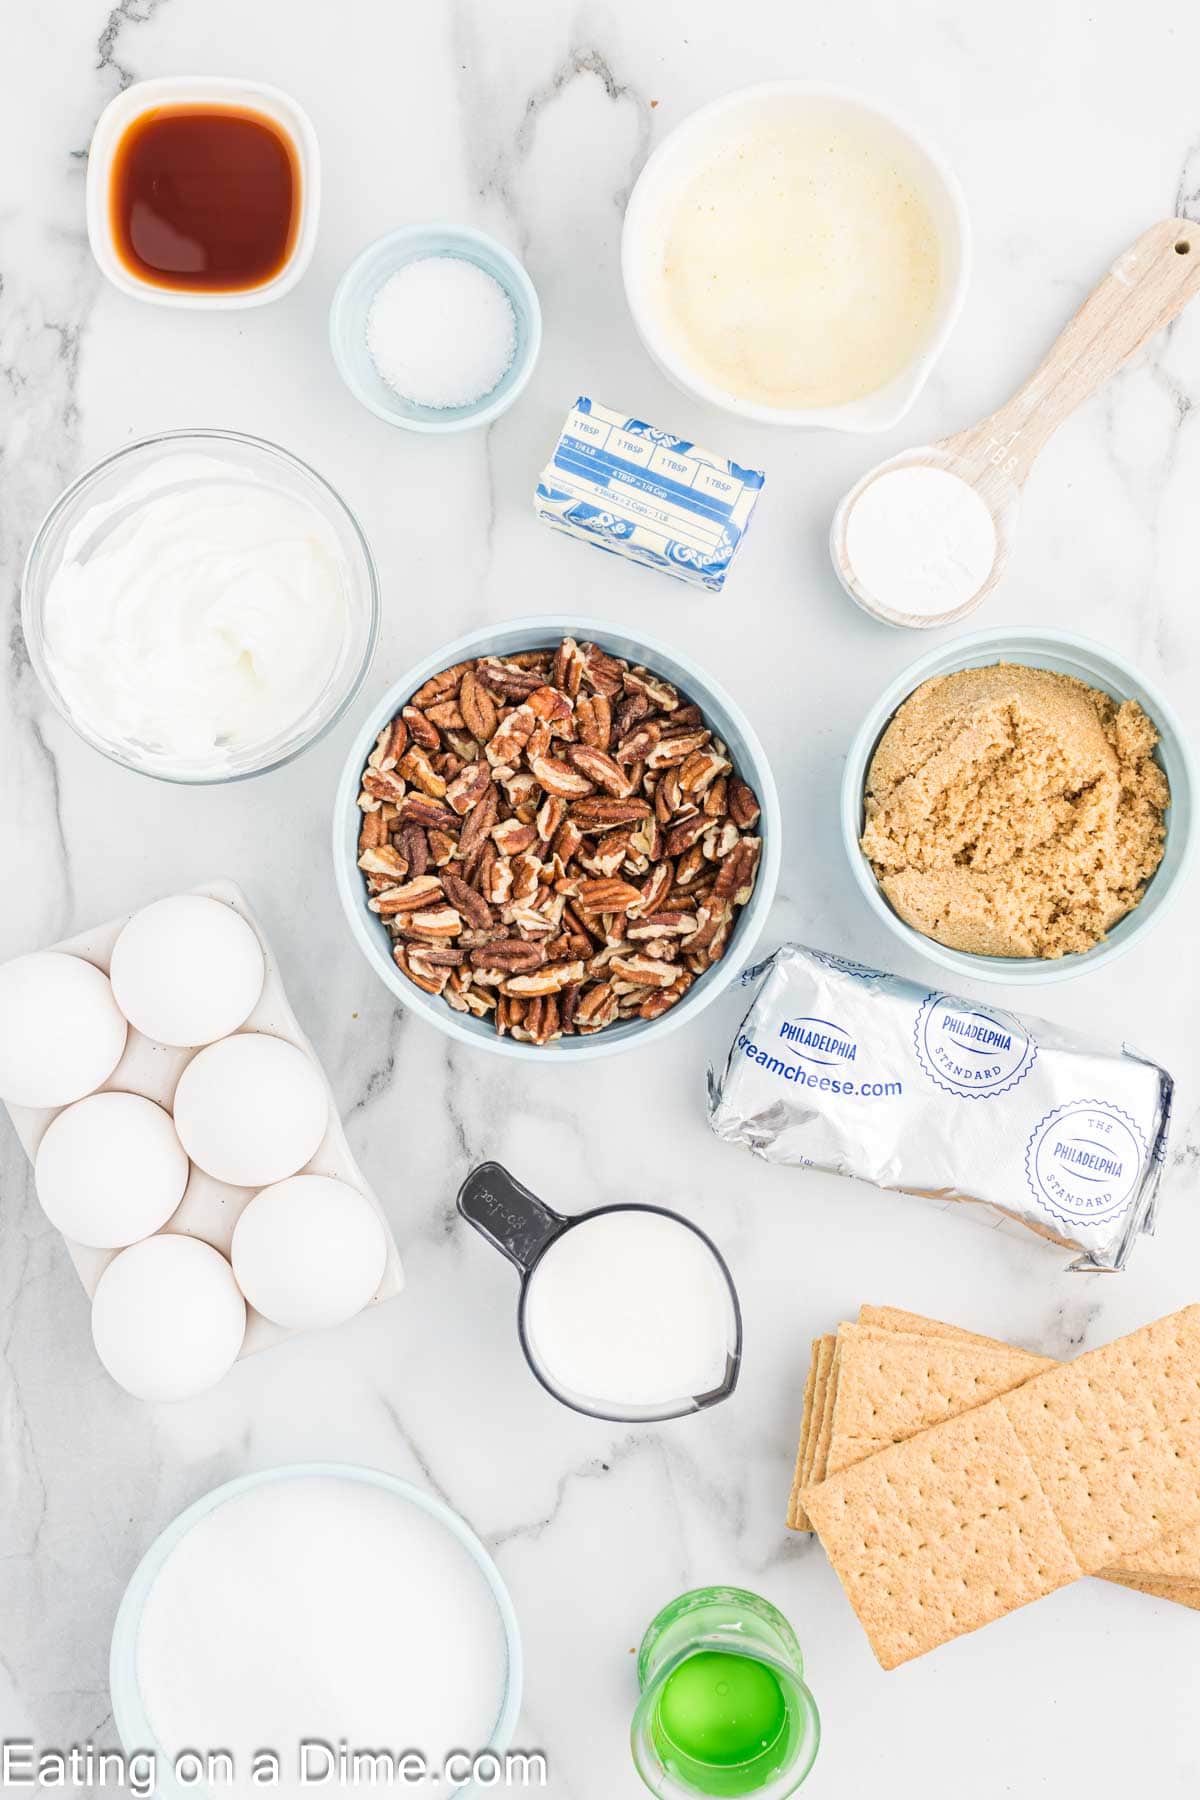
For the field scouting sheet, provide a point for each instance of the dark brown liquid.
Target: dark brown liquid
(204, 199)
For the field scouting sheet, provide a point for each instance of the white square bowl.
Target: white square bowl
(198, 90)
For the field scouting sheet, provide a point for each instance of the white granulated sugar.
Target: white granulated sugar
(321, 1607)
(920, 540)
(442, 332)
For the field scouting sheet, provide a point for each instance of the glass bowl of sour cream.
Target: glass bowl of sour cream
(201, 606)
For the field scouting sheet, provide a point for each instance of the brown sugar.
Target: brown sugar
(1014, 811)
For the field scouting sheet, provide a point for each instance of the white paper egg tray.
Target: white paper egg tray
(210, 1208)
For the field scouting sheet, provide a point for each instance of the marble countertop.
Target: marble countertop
(1071, 130)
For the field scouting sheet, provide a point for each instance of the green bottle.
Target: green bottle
(724, 1710)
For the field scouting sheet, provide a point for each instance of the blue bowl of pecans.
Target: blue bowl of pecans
(554, 839)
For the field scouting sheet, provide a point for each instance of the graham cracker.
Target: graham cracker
(795, 1510)
(942, 1534)
(1165, 1565)
(820, 1456)
(1183, 1593)
(1083, 1466)
(818, 1375)
(890, 1385)
(1115, 1439)
(894, 1318)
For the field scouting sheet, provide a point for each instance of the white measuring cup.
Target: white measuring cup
(627, 1312)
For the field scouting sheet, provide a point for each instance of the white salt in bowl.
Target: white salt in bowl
(130, 1717)
(363, 280)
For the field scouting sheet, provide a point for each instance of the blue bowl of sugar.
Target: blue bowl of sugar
(435, 328)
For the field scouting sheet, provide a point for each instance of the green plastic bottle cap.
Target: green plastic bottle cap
(722, 1709)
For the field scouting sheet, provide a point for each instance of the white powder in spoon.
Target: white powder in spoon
(321, 1607)
(442, 332)
(919, 540)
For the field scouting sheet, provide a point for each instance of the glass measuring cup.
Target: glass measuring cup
(620, 1294)
(724, 1709)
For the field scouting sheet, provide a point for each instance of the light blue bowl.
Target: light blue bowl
(720, 712)
(129, 1714)
(1067, 654)
(362, 281)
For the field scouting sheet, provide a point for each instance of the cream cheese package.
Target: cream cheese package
(848, 1069)
(619, 484)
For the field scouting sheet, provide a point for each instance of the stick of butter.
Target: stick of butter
(618, 483)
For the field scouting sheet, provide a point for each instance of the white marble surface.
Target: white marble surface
(1072, 127)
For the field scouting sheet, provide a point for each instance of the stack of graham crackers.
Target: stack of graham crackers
(952, 1478)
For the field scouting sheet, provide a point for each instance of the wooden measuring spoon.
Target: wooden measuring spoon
(1142, 292)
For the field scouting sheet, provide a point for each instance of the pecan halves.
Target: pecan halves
(555, 840)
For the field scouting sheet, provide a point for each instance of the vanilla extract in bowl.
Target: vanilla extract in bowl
(204, 198)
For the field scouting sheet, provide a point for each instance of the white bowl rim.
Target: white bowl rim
(123, 1644)
(1006, 970)
(486, 411)
(856, 416)
(430, 1007)
(154, 439)
(165, 90)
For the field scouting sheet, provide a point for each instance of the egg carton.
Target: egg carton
(210, 1208)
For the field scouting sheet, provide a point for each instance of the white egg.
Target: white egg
(187, 970)
(167, 1318)
(251, 1110)
(110, 1170)
(310, 1251)
(61, 1031)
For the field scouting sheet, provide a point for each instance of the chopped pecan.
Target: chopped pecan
(477, 824)
(409, 897)
(473, 907)
(385, 860)
(511, 956)
(559, 778)
(416, 767)
(603, 813)
(424, 733)
(512, 835)
(469, 786)
(420, 809)
(609, 896)
(644, 971)
(550, 979)
(384, 784)
(435, 922)
(510, 738)
(593, 720)
(661, 1000)
(555, 840)
(478, 708)
(743, 804)
(568, 667)
(600, 769)
(687, 834)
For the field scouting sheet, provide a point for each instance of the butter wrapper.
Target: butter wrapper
(845, 1068)
(619, 484)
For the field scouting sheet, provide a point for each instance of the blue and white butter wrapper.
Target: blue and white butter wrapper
(619, 484)
(848, 1069)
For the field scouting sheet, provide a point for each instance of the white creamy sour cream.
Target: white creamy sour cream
(197, 613)
(630, 1309)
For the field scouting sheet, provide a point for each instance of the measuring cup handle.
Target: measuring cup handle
(513, 1220)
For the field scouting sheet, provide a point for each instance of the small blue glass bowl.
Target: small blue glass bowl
(1067, 654)
(362, 281)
